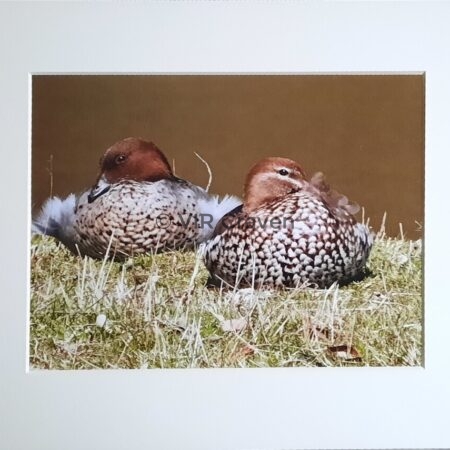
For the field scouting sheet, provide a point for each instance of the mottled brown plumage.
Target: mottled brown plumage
(137, 205)
(289, 232)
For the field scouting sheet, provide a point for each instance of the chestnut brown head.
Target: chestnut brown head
(271, 178)
(131, 159)
(134, 159)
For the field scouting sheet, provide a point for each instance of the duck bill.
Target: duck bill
(99, 189)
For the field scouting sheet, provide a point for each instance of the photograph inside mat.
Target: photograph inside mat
(233, 220)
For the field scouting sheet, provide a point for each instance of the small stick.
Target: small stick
(208, 168)
(173, 167)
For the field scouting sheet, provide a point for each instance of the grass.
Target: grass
(155, 312)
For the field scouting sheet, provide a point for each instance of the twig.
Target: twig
(208, 168)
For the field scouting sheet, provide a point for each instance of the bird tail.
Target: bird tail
(56, 219)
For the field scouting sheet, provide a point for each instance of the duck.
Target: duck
(289, 232)
(136, 206)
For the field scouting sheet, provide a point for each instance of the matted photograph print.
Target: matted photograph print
(227, 221)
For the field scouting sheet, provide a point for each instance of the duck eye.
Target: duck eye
(120, 159)
(283, 172)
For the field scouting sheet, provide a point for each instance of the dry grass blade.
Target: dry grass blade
(210, 177)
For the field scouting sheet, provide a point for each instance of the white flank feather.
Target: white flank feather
(213, 209)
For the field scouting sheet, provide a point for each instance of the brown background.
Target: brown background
(366, 133)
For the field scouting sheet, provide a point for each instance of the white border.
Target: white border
(222, 408)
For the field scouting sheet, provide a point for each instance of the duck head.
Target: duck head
(270, 179)
(130, 159)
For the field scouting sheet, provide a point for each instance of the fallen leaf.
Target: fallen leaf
(233, 324)
(401, 259)
(346, 352)
(69, 347)
(101, 320)
(248, 350)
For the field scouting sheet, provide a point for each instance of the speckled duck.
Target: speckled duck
(136, 206)
(289, 232)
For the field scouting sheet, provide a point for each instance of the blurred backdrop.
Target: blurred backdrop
(365, 132)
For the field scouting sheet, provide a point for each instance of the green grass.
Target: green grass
(159, 314)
